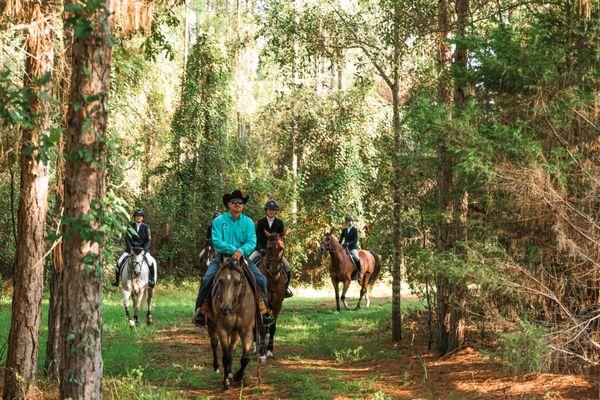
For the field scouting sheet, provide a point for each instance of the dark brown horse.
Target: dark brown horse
(231, 317)
(342, 269)
(271, 267)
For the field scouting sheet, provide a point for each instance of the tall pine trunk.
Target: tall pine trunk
(23, 345)
(444, 181)
(460, 198)
(53, 346)
(81, 323)
(398, 249)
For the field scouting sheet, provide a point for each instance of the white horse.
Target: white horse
(134, 283)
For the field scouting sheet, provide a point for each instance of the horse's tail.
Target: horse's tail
(377, 268)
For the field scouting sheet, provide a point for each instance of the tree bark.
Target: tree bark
(444, 180)
(81, 324)
(53, 345)
(23, 347)
(398, 250)
(460, 198)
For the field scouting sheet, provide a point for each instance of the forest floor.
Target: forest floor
(318, 355)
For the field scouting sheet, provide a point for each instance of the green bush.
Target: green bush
(524, 350)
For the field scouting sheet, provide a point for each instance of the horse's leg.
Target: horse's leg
(363, 291)
(336, 288)
(136, 308)
(344, 290)
(246, 344)
(149, 293)
(214, 342)
(272, 330)
(262, 345)
(227, 357)
(126, 296)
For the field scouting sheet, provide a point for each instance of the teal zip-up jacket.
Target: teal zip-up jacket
(230, 235)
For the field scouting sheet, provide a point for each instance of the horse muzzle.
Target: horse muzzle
(225, 310)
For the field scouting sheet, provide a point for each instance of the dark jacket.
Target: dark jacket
(262, 226)
(142, 239)
(350, 236)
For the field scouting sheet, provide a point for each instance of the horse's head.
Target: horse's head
(326, 245)
(230, 285)
(136, 260)
(274, 256)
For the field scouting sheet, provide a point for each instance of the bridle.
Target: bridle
(240, 288)
(272, 257)
(327, 248)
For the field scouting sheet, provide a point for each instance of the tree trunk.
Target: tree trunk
(294, 135)
(81, 324)
(459, 194)
(53, 345)
(398, 250)
(23, 344)
(444, 181)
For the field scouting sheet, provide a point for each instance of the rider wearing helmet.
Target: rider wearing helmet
(264, 228)
(349, 239)
(141, 238)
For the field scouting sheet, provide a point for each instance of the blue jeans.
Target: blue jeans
(212, 270)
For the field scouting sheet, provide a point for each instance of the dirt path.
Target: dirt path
(416, 374)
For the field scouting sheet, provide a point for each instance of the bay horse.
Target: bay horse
(271, 267)
(231, 317)
(342, 269)
(134, 284)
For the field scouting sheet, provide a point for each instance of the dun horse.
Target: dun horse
(134, 283)
(271, 267)
(231, 317)
(342, 269)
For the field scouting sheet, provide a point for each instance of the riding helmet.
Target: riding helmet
(349, 218)
(139, 213)
(272, 205)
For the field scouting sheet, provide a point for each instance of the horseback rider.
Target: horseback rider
(264, 229)
(208, 237)
(232, 236)
(141, 238)
(350, 236)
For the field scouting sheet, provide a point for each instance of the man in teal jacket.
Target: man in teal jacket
(233, 235)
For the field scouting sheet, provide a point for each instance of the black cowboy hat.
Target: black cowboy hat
(236, 194)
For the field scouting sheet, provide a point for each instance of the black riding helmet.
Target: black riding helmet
(271, 205)
(139, 213)
(348, 218)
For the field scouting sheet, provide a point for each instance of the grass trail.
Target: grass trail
(319, 354)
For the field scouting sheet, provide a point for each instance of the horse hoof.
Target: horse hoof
(149, 321)
(238, 377)
(263, 359)
(336, 312)
(269, 353)
(132, 324)
(216, 371)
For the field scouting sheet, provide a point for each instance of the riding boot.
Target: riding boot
(199, 317)
(358, 270)
(265, 312)
(115, 282)
(288, 292)
(152, 276)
